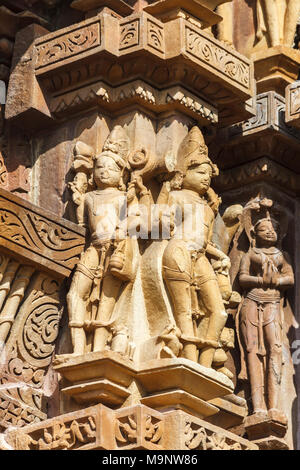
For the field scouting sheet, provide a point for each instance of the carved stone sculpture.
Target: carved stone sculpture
(277, 21)
(265, 274)
(191, 281)
(109, 261)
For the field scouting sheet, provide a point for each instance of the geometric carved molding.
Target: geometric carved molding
(139, 47)
(138, 92)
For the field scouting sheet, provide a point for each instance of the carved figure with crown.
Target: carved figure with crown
(188, 272)
(265, 274)
(111, 256)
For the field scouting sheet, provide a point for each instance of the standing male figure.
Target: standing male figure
(187, 269)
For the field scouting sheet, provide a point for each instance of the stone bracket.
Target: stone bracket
(38, 237)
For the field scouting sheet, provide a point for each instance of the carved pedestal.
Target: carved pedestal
(267, 430)
(166, 384)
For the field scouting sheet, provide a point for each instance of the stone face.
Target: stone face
(149, 183)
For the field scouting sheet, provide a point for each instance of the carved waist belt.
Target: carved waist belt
(264, 298)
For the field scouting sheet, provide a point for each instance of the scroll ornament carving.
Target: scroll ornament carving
(199, 438)
(3, 172)
(37, 234)
(276, 23)
(155, 36)
(265, 274)
(31, 321)
(153, 429)
(68, 45)
(126, 430)
(61, 436)
(217, 57)
(129, 34)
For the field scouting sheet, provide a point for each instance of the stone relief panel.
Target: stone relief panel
(29, 321)
(136, 427)
(117, 269)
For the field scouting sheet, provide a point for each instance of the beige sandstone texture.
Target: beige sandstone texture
(149, 235)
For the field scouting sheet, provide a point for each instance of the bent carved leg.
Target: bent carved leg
(254, 361)
(211, 299)
(272, 21)
(110, 290)
(177, 268)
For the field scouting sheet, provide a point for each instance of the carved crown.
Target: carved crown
(193, 150)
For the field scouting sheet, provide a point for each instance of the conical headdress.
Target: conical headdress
(118, 143)
(193, 150)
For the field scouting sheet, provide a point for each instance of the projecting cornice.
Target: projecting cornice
(120, 51)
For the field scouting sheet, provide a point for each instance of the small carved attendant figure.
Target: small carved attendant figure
(109, 260)
(83, 167)
(187, 269)
(265, 274)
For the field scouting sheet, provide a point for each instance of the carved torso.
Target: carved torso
(252, 267)
(193, 216)
(104, 210)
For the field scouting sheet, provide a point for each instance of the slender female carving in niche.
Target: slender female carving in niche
(265, 274)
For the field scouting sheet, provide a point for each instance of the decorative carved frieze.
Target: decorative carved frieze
(265, 135)
(262, 169)
(70, 432)
(38, 250)
(200, 438)
(137, 427)
(38, 236)
(270, 111)
(29, 318)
